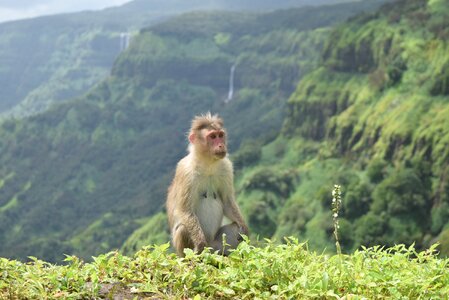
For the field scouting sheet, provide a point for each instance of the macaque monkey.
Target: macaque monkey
(201, 203)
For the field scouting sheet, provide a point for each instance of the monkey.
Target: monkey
(201, 198)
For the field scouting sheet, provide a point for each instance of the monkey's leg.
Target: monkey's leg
(181, 239)
(228, 237)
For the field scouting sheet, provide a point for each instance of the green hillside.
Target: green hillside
(55, 58)
(373, 118)
(83, 176)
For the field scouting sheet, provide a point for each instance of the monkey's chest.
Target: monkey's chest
(209, 211)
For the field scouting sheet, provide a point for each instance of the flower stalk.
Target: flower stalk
(336, 205)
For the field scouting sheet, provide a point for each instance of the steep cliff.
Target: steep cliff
(372, 117)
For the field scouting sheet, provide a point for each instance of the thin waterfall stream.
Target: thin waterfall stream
(231, 84)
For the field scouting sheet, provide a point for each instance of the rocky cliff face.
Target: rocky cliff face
(379, 80)
(381, 94)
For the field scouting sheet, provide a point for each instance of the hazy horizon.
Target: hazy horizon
(11, 10)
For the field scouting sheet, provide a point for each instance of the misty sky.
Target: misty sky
(20, 9)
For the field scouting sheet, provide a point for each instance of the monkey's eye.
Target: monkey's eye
(221, 135)
(213, 136)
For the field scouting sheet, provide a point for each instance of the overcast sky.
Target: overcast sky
(20, 9)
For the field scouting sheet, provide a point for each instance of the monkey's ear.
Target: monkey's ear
(192, 138)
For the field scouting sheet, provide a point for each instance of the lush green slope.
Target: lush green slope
(372, 117)
(287, 271)
(81, 177)
(55, 58)
(51, 59)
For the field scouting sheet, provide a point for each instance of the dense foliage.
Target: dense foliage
(85, 175)
(373, 118)
(269, 271)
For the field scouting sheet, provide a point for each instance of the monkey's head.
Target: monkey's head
(208, 136)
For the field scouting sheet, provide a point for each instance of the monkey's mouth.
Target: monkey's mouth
(220, 154)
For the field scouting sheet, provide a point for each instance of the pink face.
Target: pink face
(216, 140)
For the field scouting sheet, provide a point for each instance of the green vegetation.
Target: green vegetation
(89, 173)
(370, 115)
(371, 119)
(52, 59)
(269, 271)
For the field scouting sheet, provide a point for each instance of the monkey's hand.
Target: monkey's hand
(244, 229)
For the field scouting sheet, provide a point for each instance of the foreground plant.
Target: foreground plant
(272, 271)
(336, 204)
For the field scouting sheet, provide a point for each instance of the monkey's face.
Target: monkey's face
(216, 142)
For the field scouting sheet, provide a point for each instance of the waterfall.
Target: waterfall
(124, 40)
(231, 84)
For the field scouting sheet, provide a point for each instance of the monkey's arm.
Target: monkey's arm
(232, 212)
(230, 207)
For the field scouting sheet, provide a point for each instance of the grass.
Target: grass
(268, 271)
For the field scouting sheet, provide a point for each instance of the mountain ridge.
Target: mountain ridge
(82, 176)
(54, 58)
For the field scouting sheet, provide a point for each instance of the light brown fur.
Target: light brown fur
(201, 195)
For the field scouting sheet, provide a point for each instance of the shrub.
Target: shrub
(395, 70)
(281, 183)
(402, 192)
(259, 219)
(369, 229)
(357, 201)
(403, 230)
(443, 239)
(376, 170)
(295, 215)
(248, 154)
(322, 196)
(441, 82)
(439, 216)
(346, 234)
